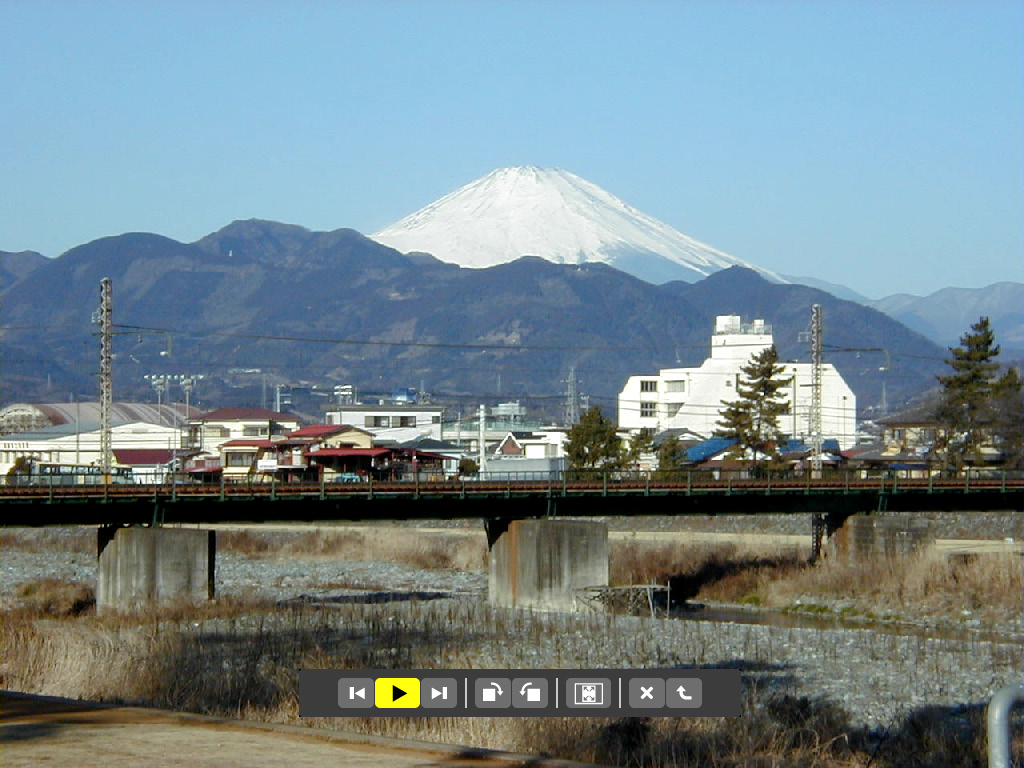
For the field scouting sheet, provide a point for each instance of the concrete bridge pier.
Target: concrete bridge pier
(889, 534)
(542, 564)
(140, 568)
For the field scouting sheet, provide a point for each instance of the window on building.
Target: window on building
(235, 459)
(649, 385)
(406, 421)
(675, 386)
(648, 410)
(435, 419)
(378, 421)
(254, 431)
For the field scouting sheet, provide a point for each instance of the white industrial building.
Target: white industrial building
(78, 444)
(691, 398)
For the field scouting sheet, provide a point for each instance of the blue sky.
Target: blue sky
(875, 144)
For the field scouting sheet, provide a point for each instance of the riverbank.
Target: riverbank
(299, 598)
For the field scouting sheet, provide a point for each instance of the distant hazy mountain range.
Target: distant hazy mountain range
(323, 308)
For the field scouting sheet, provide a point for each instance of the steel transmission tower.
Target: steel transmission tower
(817, 364)
(106, 376)
(572, 399)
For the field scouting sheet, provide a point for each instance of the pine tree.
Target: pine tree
(641, 443)
(752, 420)
(670, 458)
(593, 443)
(1007, 407)
(966, 405)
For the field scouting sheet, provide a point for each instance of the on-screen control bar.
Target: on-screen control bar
(519, 692)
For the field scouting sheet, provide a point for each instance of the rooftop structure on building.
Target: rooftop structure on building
(27, 417)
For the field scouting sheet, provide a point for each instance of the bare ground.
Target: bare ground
(43, 730)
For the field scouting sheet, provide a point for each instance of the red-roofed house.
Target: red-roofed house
(287, 458)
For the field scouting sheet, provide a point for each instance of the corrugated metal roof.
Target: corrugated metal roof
(707, 449)
(69, 413)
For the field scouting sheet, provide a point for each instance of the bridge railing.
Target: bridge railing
(724, 479)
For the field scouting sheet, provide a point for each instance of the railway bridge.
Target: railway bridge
(531, 538)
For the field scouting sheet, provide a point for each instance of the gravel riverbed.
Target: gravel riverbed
(877, 674)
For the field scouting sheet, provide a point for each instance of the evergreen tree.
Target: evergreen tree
(641, 443)
(966, 405)
(752, 420)
(1007, 407)
(671, 457)
(593, 443)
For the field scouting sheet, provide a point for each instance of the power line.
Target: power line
(415, 344)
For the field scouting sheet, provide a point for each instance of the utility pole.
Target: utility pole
(106, 377)
(482, 437)
(160, 386)
(188, 382)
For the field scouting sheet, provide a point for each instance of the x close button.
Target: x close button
(396, 692)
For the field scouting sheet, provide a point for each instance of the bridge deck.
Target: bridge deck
(695, 494)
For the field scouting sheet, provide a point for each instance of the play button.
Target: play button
(396, 692)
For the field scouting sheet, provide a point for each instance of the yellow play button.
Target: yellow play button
(396, 692)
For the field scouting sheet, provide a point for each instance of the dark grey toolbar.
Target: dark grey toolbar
(519, 692)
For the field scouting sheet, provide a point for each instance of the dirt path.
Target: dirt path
(43, 730)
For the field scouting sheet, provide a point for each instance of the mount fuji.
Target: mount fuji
(560, 217)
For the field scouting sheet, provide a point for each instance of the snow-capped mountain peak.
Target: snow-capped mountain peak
(554, 214)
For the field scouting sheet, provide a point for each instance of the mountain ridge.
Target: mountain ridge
(558, 216)
(361, 313)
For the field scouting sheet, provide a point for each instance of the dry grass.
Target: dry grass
(235, 658)
(76, 539)
(396, 545)
(53, 598)
(924, 585)
(928, 584)
(241, 661)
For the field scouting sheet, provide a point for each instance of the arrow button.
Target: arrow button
(684, 692)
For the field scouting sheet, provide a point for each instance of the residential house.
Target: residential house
(288, 458)
(209, 431)
(396, 421)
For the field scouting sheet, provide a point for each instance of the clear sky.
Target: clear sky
(875, 144)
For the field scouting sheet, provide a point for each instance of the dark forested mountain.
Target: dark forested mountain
(261, 302)
(14, 266)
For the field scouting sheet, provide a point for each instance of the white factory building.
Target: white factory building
(691, 398)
